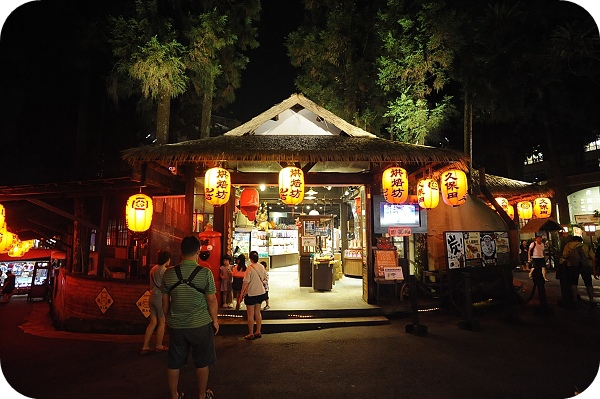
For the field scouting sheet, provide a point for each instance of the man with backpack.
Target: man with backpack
(190, 307)
(580, 260)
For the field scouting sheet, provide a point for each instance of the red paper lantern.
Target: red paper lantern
(249, 203)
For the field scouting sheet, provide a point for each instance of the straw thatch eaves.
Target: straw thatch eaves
(513, 190)
(293, 149)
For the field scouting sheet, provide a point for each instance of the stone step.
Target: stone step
(237, 325)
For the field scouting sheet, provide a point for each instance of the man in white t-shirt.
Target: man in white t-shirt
(537, 259)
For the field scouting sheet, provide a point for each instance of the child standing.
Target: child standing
(226, 277)
(266, 284)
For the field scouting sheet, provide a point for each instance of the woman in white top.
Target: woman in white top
(253, 292)
(157, 317)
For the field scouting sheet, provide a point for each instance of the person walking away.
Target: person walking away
(190, 306)
(9, 286)
(226, 276)
(239, 271)
(580, 261)
(253, 292)
(537, 260)
(523, 256)
(157, 316)
(266, 284)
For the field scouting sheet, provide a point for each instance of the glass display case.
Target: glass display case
(283, 242)
(283, 247)
(259, 242)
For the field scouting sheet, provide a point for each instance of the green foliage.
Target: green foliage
(412, 120)
(334, 50)
(159, 68)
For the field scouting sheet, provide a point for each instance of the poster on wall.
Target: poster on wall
(488, 248)
(455, 249)
(473, 249)
(476, 248)
(502, 248)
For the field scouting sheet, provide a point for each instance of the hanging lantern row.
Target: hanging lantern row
(454, 187)
(291, 185)
(138, 212)
(12, 245)
(217, 186)
(541, 208)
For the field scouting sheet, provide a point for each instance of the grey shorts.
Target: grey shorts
(156, 308)
(201, 340)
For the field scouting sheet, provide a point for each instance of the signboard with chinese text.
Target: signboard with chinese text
(384, 258)
(399, 231)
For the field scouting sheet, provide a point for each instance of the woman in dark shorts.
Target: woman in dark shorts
(254, 294)
(239, 270)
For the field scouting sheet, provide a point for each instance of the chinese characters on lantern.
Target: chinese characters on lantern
(291, 185)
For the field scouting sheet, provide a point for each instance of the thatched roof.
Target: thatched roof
(511, 189)
(536, 225)
(293, 149)
(298, 101)
(336, 140)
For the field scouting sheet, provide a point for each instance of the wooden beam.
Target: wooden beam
(49, 227)
(324, 179)
(62, 213)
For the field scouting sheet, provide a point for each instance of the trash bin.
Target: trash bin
(322, 275)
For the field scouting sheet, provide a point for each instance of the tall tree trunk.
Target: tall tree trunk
(468, 128)
(163, 114)
(207, 98)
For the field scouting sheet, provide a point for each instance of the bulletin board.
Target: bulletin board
(384, 258)
(476, 248)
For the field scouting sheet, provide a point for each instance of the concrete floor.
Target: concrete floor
(285, 292)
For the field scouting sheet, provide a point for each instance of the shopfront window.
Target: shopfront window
(116, 235)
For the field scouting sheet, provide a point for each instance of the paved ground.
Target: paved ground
(540, 356)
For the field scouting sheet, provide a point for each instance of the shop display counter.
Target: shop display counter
(353, 262)
(281, 260)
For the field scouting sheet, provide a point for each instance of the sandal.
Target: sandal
(257, 336)
(250, 337)
(163, 349)
(180, 395)
(146, 351)
(209, 394)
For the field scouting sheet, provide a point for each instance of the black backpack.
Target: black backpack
(187, 281)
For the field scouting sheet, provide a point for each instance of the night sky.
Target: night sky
(38, 86)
